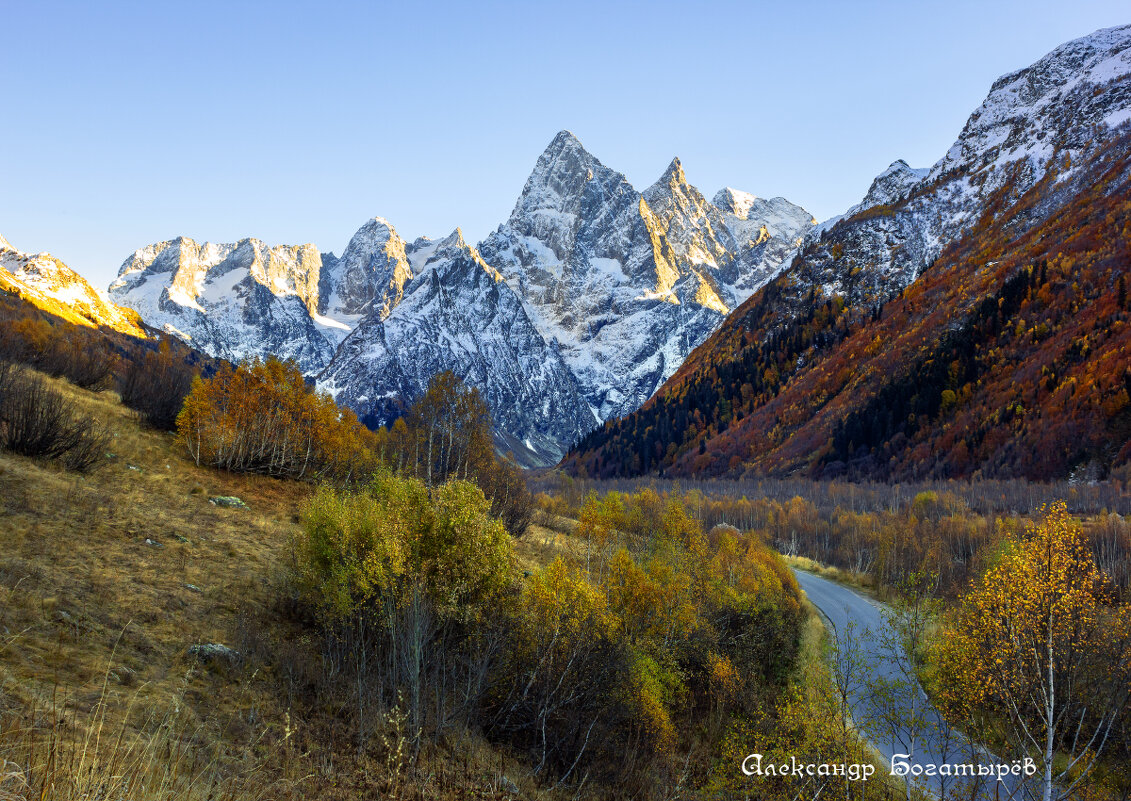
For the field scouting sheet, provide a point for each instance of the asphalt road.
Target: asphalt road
(899, 719)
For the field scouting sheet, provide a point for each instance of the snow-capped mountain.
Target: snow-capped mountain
(234, 301)
(51, 285)
(625, 283)
(1037, 175)
(370, 275)
(892, 185)
(1036, 122)
(765, 231)
(457, 313)
(573, 311)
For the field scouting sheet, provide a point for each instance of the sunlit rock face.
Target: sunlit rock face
(369, 277)
(49, 284)
(625, 283)
(233, 301)
(574, 311)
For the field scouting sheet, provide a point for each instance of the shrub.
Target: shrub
(354, 543)
(413, 582)
(364, 547)
(447, 434)
(511, 501)
(80, 357)
(155, 384)
(35, 420)
(262, 418)
(559, 693)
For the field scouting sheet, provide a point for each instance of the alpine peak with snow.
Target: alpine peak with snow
(1051, 142)
(49, 284)
(592, 294)
(233, 301)
(575, 310)
(1039, 120)
(625, 284)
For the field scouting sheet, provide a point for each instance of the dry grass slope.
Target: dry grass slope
(107, 579)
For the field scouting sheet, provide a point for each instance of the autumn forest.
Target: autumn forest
(646, 497)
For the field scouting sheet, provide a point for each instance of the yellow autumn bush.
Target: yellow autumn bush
(261, 417)
(383, 542)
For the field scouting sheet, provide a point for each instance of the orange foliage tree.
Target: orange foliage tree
(261, 417)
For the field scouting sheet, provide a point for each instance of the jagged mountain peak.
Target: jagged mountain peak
(233, 300)
(565, 153)
(377, 227)
(573, 311)
(425, 250)
(1052, 106)
(445, 255)
(376, 235)
(1051, 116)
(371, 274)
(891, 185)
(693, 229)
(674, 172)
(454, 239)
(563, 142)
(4, 244)
(672, 182)
(734, 201)
(561, 175)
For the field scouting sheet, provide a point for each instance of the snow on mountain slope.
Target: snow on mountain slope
(893, 184)
(233, 301)
(54, 287)
(458, 314)
(574, 311)
(371, 274)
(1035, 122)
(625, 284)
(1050, 108)
(746, 216)
(767, 232)
(1048, 144)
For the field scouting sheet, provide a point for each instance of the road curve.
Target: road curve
(928, 743)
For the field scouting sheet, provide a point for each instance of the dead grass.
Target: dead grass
(858, 581)
(547, 540)
(95, 621)
(106, 579)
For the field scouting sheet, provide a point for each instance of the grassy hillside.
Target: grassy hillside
(106, 582)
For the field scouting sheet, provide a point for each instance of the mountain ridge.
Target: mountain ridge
(610, 292)
(50, 285)
(797, 379)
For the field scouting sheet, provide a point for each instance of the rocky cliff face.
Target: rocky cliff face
(626, 284)
(1034, 124)
(573, 311)
(766, 232)
(457, 313)
(233, 301)
(369, 277)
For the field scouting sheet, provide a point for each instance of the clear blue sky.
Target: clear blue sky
(129, 123)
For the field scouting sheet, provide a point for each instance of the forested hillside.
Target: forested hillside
(1007, 357)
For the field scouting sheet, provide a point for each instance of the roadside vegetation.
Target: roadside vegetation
(1018, 625)
(216, 584)
(389, 621)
